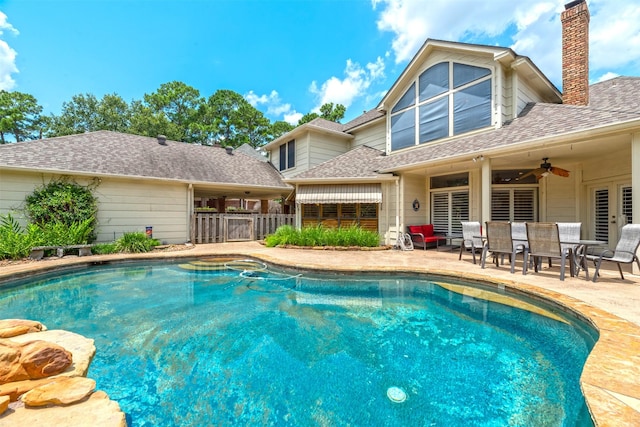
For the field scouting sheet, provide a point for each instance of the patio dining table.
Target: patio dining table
(579, 258)
(580, 253)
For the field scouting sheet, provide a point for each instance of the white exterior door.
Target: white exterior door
(610, 211)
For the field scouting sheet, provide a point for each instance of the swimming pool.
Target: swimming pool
(199, 344)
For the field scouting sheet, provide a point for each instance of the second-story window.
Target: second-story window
(446, 99)
(288, 155)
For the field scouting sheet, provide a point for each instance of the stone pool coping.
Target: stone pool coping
(611, 376)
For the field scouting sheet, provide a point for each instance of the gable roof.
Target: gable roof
(539, 122)
(364, 118)
(613, 103)
(106, 153)
(318, 125)
(359, 164)
(506, 56)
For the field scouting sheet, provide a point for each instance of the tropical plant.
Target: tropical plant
(15, 241)
(135, 242)
(57, 233)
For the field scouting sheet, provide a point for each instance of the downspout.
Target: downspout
(298, 225)
(397, 208)
(190, 210)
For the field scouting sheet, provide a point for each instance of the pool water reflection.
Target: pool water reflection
(200, 344)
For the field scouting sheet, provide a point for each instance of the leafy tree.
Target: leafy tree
(332, 112)
(86, 113)
(146, 122)
(20, 117)
(278, 129)
(230, 120)
(328, 111)
(181, 105)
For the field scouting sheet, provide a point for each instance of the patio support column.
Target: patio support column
(485, 190)
(635, 183)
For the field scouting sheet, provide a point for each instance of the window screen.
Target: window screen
(407, 100)
(434, 81)
(291, 154)
(403, 130)
(472, 108)
(463, 74)
(434, 120)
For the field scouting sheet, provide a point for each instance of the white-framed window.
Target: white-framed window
(447, 99)
(514, 204)
(288, 155)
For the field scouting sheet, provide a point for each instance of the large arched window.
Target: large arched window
(450, 99)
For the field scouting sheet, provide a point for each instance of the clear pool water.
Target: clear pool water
(195, 345)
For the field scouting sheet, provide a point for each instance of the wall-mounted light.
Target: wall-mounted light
(478, 158)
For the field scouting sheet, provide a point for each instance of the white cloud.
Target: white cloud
(5, 25)
(357, 79)
(275, 106)
(7, 56)
(531, 28)
(606, 76)
(293, 118)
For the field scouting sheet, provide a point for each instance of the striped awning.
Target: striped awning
(342, 193)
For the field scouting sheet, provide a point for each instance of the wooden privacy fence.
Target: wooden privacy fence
(217, 228)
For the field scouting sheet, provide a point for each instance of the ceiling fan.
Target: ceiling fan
(544, 170)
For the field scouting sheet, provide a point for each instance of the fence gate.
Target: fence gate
(238, 228)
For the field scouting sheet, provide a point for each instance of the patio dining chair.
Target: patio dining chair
(499, 242)
(625, 252)
(544, 242)
(471, 238)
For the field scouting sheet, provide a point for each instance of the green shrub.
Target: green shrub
(135, 242)
(321, 236)
(15, 241)
(62, 202)
(58, 233)
(104, 248)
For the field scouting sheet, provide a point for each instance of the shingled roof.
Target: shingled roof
(106, 153)
(360, 163)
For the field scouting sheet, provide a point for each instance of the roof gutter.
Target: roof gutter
(141, 177)
(343, 180)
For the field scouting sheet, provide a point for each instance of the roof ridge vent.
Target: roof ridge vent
(162, 140)
(229, 149)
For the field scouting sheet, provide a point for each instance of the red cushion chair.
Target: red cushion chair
(422, 235)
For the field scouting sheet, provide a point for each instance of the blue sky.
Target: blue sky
(287, 57)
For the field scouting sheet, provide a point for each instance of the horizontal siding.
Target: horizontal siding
(323, 148)
(561, 196)
(123, 205)
(126, 206)
(372, 136)
(525, 95)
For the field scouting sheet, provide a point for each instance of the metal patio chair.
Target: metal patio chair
(625, 252)
(544, 242)
(471, 238)
(499, 242)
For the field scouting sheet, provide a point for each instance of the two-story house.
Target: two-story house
(473, 132)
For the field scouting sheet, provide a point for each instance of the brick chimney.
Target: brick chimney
(575, 53)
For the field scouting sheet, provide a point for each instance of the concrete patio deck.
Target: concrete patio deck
(611, 377)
